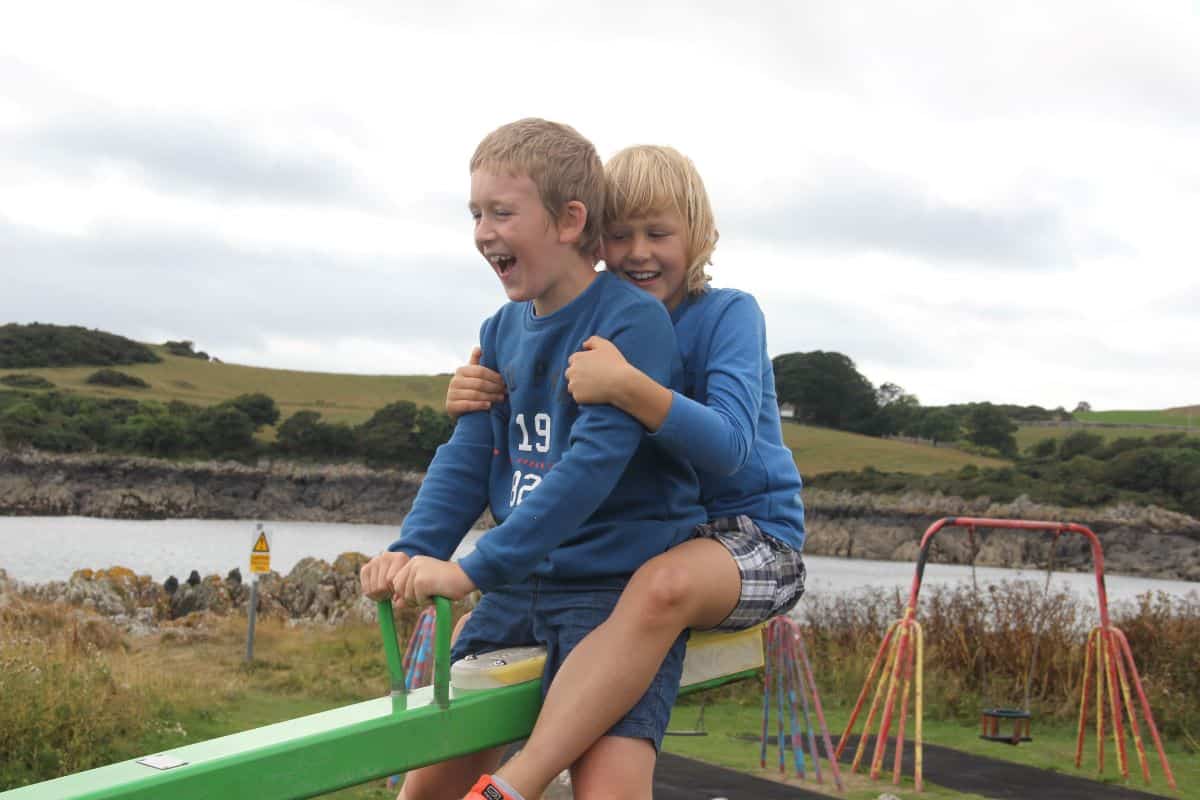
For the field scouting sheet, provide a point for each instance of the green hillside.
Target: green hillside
(353, 398)
(1030, 434)
(819, 450)
(1171, 416)
(338, 397)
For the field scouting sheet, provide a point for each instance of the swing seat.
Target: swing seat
(989, 720)
(710, 656)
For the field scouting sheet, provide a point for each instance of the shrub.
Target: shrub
(19, 380)
(39, 345)
(116, 378)
(260, 408)
(184, 349)
(1079, 443)
(1043, 448)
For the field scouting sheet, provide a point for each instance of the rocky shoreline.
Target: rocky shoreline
(1142, 541)
(315, 591)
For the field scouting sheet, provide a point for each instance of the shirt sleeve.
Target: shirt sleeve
(455, 490)
(602, 441)
(718, 436)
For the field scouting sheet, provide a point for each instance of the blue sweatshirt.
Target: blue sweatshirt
(578, 492)
(726, 421)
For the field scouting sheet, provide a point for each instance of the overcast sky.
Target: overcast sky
(975, 200)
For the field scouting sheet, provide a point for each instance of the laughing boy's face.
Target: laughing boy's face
(518, 238)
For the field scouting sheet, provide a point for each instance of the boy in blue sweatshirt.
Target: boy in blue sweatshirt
(744, 565)
(581, 497)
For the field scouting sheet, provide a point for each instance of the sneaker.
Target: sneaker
(487, 788)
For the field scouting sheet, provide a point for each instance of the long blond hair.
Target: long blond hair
(643, 179)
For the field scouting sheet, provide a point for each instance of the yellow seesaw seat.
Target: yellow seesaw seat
(709, 656)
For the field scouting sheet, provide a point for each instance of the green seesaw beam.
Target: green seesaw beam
(324, 752)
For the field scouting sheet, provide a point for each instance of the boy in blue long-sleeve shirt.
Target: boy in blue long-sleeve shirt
(744, 566)
(580, 495)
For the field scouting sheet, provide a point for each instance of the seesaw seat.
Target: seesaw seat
(710, 656)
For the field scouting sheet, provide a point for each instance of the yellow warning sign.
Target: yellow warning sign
(260, 554)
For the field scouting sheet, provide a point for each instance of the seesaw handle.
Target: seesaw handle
(441, 652)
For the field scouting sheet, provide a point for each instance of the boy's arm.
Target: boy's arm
(601, 443)
(719, 435)
(455, 490)
(716, 437)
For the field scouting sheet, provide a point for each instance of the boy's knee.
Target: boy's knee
(661, 593)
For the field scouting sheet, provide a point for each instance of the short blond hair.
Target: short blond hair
(562, 164)
(645, 179)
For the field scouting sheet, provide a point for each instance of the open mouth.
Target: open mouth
(502, 263)
(641, 276)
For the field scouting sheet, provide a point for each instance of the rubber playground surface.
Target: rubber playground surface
(678, 778)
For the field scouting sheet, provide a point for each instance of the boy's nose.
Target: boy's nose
(639, 249)
(483, 231)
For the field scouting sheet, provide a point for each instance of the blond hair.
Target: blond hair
(645, 179)
(562, 164)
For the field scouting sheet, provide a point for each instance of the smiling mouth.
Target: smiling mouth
(641, 276)
(503, 264)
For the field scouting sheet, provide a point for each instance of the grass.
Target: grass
(189, 684)
(735, 714)
(338, 397)
(1171, 416)
(1031, 434)
(820, 450)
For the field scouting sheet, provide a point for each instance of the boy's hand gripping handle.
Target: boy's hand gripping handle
(441, 653)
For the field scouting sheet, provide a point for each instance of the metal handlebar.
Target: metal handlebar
(441, 653)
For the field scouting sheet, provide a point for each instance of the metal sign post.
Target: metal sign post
(260, 564)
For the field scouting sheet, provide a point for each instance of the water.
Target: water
(40, 549)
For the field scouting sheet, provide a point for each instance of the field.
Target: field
(353, 398)
(1030, 434)
(820, 450)
(338, 397)
(1186, 416)
(190, 685)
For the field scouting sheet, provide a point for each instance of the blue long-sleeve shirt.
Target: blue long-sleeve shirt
(726, 420)
(577, 491)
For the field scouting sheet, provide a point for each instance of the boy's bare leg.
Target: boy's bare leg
(615, 768)
(449, 780)
(693, 585)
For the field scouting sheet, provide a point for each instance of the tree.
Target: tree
(988, 426)
(260, 408)
(938, 426)
(898, 411)
(223, 429)
(1082, 407)
(304, 434)
(826, 389)
(1079, 443)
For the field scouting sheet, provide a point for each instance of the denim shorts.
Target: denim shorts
(559, 616)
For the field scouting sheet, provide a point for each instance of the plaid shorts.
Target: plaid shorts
(772, 573)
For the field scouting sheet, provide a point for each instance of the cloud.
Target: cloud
(850, 210)
(147, 285)
(180, 154)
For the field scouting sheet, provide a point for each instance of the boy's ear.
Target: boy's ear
(571, 222)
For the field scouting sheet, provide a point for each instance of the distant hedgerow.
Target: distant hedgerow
(20, 380)
(113, 377)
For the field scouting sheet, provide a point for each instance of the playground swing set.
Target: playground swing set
(901, 655)
(495, 699)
